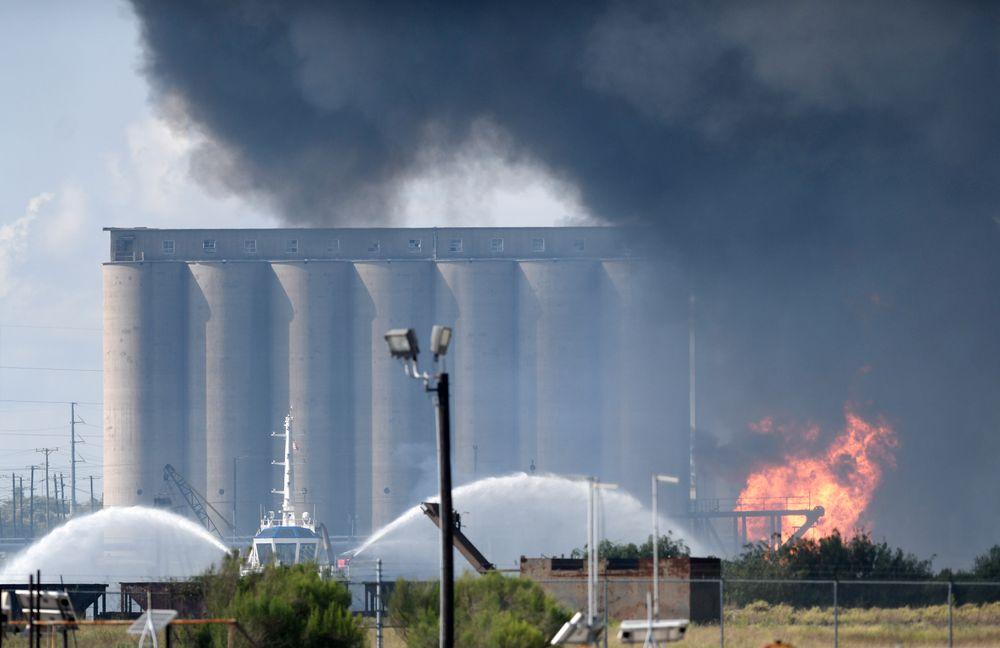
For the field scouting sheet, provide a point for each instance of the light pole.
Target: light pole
(403, 345)
(656, 479)
(592, 553)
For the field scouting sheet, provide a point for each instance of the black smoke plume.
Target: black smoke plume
(828, 172)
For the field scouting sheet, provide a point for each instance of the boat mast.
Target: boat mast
(287, 509)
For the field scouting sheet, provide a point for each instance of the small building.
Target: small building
(682, 596)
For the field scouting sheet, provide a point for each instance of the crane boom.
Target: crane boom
(195, 500)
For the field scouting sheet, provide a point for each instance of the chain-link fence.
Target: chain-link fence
(754, 613)
(723, 612)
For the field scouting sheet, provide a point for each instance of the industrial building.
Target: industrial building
(569, 356)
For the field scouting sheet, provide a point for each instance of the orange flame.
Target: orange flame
(842, 478)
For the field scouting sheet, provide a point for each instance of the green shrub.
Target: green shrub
(281, 607)
(668, 547)
(491, 611)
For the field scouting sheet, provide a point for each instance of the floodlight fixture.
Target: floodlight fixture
(402, 343)
(440, 339)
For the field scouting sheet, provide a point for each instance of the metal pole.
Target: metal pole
(38, 605)
(91, 493)
(72, 459)
(692, 405)
(605, 610)
(13, 504)
(590, 552)
(62, 503)
(836, 617)
(722, 614)
(951, 626)
(46, 490)
(31, 502)
(234, 500)
(447, 602)
(31, 609)
(656, 554)
(378, 603)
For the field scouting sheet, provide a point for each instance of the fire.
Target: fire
(841, 478)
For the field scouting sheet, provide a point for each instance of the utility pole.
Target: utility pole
(46, 452)
(692, 405)
(31, 502)
(13, 504)
(91, 493)
(20, 490)
(72, 459)
(62, 489)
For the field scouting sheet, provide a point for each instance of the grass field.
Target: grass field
(751, 627)
(759, 623)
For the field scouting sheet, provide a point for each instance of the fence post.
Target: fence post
(606, 629)
(722, 614)
(951, 635)
(836, 617)
(378, 603)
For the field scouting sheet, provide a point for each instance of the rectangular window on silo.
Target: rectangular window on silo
(125, 248)
(496, 245)
(168, 247)
(334, 246)
(374, 247)
(455, 245)
(413, 245)
(537, 245)
(579, 245)
(250, 246)
(292, 246)
(208, 245)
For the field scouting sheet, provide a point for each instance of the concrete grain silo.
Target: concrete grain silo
(477, 299)
(212, 336)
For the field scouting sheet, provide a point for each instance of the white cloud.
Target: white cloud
(151, 181)
(68, 222)
(14, 240)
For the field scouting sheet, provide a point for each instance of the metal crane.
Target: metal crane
(195, 500)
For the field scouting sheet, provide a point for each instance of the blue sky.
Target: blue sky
(84, 148)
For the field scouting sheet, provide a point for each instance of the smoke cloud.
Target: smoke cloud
(826, 172)
(14, 240)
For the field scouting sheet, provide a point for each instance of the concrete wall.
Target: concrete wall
(207, 348)
(566, 580)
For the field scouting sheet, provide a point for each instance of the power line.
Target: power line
(58, 328)
(73, 369)
(49, 402)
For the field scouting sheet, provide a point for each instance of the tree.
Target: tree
(491, 611)
(987, 566)
(281, 606)
(830, 558)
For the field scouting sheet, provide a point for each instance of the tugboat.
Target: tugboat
(287, 539)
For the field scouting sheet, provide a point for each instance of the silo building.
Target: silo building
(568, 356)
